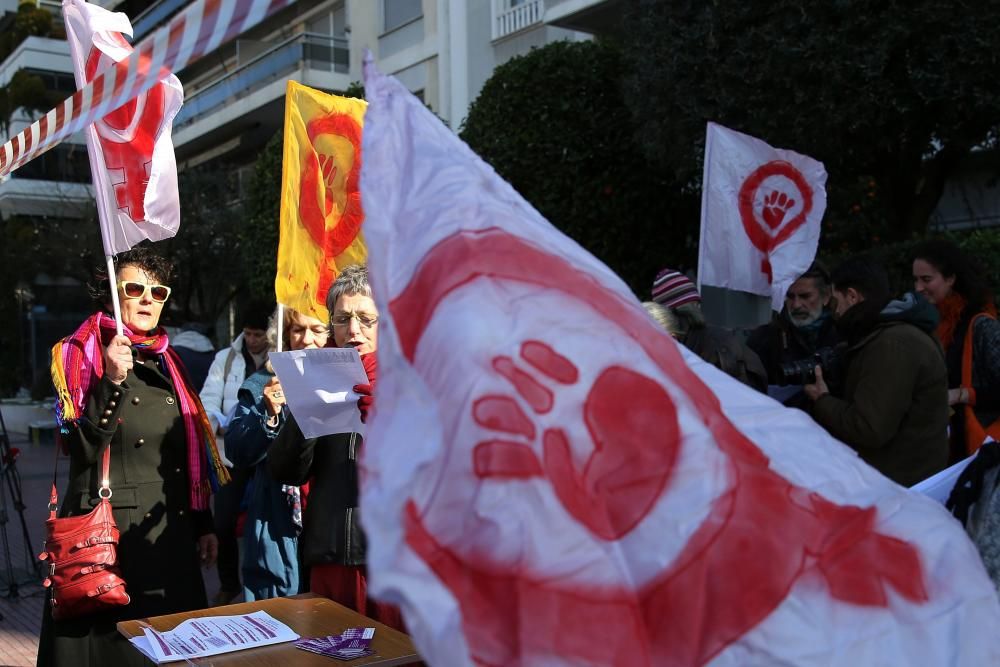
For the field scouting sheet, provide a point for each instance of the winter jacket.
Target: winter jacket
(780, 342)
(219, 394)
(197, 353)
(985, 375)
(270, 537)
(893, 404)
(157, 551)
(331, 528)
(728, 353)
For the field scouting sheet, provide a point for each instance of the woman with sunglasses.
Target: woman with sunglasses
(270, 565)
(332, 544)
(131, 391)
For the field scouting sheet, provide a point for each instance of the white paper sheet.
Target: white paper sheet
(212, 635)
(318, 385)
(939, 486)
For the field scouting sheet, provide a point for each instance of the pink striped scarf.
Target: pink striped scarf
(78, 365)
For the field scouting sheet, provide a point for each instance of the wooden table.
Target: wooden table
(308, 615)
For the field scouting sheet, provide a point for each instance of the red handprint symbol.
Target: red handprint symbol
(626, 471)
(776, 205)
(331, 216)
(759, 537)
(127, 136)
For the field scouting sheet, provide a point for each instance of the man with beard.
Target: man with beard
(803, 326)
(892, 405)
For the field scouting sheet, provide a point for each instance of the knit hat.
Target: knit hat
(672, 289)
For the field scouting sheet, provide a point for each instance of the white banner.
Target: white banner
(131, 153)
(549, 479)
(761, 209)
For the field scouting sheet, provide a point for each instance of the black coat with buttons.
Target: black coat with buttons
(157, 552)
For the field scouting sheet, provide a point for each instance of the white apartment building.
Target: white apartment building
(441, 50)
(56, 184)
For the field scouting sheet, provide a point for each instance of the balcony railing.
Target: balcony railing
(320, 52)
(509, 17)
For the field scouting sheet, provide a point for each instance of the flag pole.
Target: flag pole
(281, 326)
(113, 284)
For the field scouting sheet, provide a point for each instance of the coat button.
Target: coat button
(135, 400)
(117, 394)
(170, 400)
(180, 513)
(177, 470)
(112, 404)
(140, 442)
(104, 421)
(107, 413)
(149, 515)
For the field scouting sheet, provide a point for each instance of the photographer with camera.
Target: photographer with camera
(803, 328)
(892, 406)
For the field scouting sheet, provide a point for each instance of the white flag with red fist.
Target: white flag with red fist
(549, 479)
(761, 209)
(131, 153)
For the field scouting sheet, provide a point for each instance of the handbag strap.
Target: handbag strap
(104, 492)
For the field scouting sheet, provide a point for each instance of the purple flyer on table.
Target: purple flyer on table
(348, 645)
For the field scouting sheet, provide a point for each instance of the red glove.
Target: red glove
(367, 399)
(370, 362)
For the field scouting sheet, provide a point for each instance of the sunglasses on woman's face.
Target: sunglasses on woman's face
(135, 290)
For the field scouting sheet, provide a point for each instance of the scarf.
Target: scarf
(78, 365)
(952, 309)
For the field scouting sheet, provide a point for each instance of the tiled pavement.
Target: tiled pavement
(21, 595)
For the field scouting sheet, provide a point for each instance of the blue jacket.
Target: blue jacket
(270, 552)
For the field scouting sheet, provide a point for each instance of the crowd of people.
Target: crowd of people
(911, 383)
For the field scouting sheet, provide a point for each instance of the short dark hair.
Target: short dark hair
(256, 315)
(952, 261)
(142, 257)
(865, 275)
(821, 277)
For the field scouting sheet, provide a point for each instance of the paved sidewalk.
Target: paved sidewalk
(21, 594)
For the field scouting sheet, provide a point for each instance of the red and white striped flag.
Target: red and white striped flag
(549, 479)
(131, 153)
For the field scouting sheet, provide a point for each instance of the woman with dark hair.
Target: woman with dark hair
(970, 334)
(130, 392)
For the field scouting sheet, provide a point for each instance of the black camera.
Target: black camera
(803, 371)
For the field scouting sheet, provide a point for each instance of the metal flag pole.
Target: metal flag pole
(281, 326)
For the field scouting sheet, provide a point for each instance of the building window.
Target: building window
(399, 12)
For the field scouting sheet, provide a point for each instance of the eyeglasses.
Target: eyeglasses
(136, 290)
(344, 320)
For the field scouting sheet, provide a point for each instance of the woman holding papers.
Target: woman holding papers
(332, 544)
(131, 391)
(274, 511)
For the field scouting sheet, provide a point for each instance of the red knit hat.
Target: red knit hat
(672, 289)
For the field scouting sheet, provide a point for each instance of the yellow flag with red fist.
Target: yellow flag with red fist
(321, 214)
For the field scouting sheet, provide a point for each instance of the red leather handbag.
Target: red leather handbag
(83, 557)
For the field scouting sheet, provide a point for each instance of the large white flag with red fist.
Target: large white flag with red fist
(550, 480)
(761, 209)
(131, 153)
